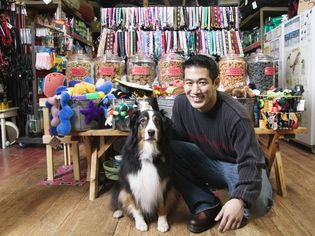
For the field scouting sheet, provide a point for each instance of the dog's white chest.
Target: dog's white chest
(146, 187)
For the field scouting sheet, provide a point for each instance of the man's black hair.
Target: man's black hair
(204, 62)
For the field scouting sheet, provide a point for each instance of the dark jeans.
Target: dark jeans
(195, 172)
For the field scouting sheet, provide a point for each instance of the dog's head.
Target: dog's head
(149, 126)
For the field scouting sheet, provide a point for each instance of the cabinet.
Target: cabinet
(258, 19)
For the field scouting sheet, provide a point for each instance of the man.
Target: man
(217, 147)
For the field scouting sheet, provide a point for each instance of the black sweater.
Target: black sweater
(224, 133)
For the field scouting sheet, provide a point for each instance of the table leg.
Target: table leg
(3, 133)
(75, 160)
(280, 178)
(50, 164)
(88, 153)
(94, 175)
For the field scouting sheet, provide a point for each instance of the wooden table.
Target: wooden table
(7, 113)
(272, 151)
(94, 149)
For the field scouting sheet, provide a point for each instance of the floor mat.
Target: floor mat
(64, 176)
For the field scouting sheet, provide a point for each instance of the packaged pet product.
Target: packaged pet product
(232, 72)
(170, 69)
(79, 66)
(141, 69)
(109, 67)
(261, 71)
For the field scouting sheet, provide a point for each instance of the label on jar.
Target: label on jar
(233, 71)
(140, 70)
(78, 71)
(269, 70)
(173, 71)
(106, 70)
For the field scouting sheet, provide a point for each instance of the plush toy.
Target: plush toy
(51, 104)
(103, 86)
(51, 82)
(65, 114)
(91, 112)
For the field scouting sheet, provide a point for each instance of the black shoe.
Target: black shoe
(204, 220)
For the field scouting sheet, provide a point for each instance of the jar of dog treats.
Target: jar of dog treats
(79, 66)
(260, 70)
(141, 69)
(170, 69)
(232, 71)
(109, 67)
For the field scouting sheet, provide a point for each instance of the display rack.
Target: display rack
(258, 19)
(188, 30)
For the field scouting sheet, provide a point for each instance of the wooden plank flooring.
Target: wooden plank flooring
(29, 209)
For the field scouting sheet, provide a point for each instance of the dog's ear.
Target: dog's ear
(133, 118)
(154, 103)
(166, 122)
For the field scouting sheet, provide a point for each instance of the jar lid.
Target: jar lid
(141, 57)
(109, 56)
(172, 55)
(259, 56)
(232, 56)
(80, 55)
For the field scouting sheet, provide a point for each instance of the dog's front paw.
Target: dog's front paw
(118, 214)
(162, 224)
(141, 225)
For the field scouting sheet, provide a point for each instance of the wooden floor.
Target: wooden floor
(29, 209)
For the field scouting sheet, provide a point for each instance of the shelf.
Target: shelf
(259, 17)
(50, 27)
(252, 47)
(41, 6)
(76, 14)
(81, 39)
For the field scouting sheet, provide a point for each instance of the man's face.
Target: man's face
(199, 88)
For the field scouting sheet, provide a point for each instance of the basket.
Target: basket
(166, 105)
(78, 119)
(111, 172)
(248, 104)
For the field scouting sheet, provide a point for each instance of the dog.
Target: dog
(144, 190)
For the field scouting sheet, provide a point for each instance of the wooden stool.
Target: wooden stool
(71, 147)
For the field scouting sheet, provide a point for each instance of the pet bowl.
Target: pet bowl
(111, 172)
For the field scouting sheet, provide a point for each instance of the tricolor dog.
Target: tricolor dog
(144, 190)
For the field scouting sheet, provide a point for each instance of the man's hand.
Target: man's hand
(231, 215)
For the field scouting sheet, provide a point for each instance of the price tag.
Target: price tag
(300, 106)
(55, 142)
(254, 5)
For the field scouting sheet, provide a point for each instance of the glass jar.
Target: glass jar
(232, 72)
(79, 66)
(170, 69)
(141, 69)
(109, 67)
(260, 70)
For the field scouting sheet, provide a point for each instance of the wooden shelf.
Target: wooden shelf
(50, 27)
(41, 6)
(252, 47)
(259, 17)
(81, 39)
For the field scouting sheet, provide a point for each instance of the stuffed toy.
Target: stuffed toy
(103, 86)
(65, 114)
(51, 104)
(51, 82)
(91, 112)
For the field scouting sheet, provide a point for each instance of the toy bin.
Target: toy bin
(78, 120)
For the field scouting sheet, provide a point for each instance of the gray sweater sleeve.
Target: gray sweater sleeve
(250, 160)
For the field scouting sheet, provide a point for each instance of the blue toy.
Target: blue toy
(65, 115)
